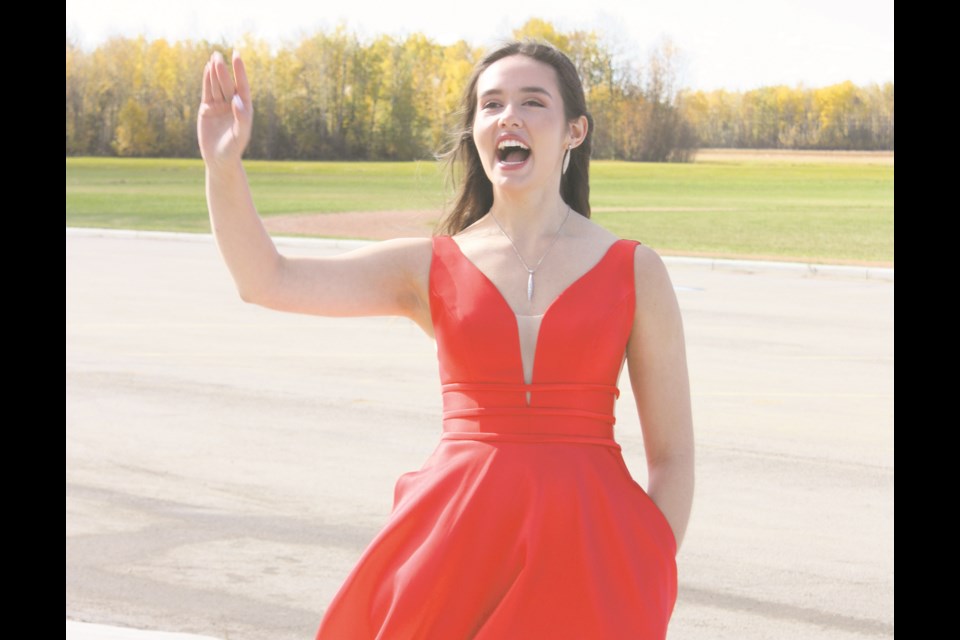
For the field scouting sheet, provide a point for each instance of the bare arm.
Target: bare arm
(388, 278)
(657, 361)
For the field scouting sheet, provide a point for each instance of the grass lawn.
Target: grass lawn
(730, 207)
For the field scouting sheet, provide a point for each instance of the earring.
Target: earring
(566, 161)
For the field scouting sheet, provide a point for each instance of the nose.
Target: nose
(509, 117)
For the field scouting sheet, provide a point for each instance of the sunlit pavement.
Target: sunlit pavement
(227, 464)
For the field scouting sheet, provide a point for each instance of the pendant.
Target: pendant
(530, 287)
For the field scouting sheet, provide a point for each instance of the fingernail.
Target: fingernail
(238, 103)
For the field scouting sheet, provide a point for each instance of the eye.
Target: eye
(533, 103)
(490, 104)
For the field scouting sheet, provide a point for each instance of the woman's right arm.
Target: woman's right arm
(387, 278)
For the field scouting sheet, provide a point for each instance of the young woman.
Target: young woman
(525, 522)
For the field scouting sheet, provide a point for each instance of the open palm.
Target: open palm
(225, 117)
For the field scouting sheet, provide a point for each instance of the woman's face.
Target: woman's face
(520, 129)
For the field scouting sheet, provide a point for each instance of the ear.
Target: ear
(577, 131)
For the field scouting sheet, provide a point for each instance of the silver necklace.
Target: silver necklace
(530, 271)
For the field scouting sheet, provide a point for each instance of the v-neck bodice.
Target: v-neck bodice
(576, 359)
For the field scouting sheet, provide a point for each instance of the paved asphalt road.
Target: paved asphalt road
(226, 464)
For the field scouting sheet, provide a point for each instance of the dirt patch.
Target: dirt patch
(368, 225)
(794, 156)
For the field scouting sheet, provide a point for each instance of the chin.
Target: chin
(526, 181)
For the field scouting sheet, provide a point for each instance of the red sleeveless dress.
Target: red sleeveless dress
(525, 522)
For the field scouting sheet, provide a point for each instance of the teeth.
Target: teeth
(512, 143)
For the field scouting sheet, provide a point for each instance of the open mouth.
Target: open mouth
(512, 152)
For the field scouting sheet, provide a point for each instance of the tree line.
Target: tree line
(333, 96)
(841, 116)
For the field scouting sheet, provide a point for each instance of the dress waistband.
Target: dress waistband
(556, 412)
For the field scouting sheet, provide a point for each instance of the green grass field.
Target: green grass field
(739, 207)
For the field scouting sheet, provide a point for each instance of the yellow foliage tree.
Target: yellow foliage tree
(134, 135)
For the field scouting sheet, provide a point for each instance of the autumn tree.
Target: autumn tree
(842, 116)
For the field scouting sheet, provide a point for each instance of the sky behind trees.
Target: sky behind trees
(732, 45)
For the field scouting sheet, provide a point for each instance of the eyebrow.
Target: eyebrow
(490, 92)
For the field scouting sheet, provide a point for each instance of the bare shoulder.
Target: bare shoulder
(408, 258)
(585, 227)
(413, 258)
(592, 238)
(648, 264)
(418, 253)
(412, 249)
(649, 269)
(655, 294)
(390, 277)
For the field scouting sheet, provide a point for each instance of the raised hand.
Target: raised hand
(225, 117)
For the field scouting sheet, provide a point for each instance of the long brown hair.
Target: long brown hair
(474, 193)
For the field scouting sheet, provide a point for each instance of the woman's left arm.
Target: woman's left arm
(657, 361)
